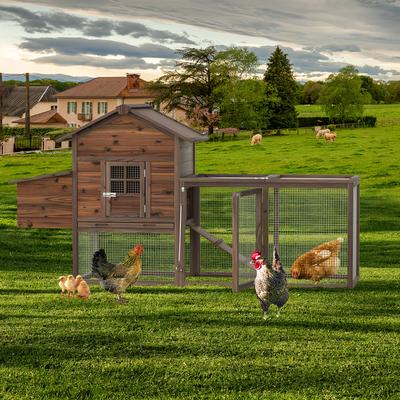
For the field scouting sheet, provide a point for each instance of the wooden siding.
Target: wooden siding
(125, 138)
(45, 202)
(90, 202)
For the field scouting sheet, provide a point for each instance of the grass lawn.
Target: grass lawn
(387, 114)
(206, 342)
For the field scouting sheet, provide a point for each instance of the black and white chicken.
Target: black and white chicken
(270, 282)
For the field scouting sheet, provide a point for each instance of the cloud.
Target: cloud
(300, 22)
(37, 22)
(99, 62)
(337, 48)
(98, 47)
(48, 22)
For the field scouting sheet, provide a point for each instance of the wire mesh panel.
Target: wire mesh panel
(216, 218)
(157, 260)
(248, 233)
(309, 226)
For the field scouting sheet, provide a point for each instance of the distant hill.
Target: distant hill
(57, 77)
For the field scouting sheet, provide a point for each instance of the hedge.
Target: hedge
(368, 121)
(9, 131)
(52, 133)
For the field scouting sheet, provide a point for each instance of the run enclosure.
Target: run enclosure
(293, 213)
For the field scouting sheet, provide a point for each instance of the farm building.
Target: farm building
(134, 181)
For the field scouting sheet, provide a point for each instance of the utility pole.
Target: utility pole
(28, 111)
(1, 105)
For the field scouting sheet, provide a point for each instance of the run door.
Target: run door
(125, 189)
(249, 233)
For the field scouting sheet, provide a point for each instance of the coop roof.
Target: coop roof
(14, 98)
(149, 114)
(46, 117)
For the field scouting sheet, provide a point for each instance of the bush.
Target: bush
(368, 121)
(36, 132)
(9, 131)
(58, 133)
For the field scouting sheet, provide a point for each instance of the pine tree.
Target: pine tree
(279, 76)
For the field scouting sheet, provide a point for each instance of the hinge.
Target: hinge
(144, 208)
(144, 173)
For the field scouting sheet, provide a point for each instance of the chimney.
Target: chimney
(132, 81)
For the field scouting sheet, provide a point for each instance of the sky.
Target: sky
(110, 38)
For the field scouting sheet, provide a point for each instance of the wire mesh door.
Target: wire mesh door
(309, 227)
(248, 222)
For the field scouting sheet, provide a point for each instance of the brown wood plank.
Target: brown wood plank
(45, 202)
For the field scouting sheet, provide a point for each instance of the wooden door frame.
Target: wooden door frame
(107, 186)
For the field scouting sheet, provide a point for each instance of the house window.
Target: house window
(125, 179)
(53, 108)
(87, 107)
(102, 107)
(71, 107)
(71, 125)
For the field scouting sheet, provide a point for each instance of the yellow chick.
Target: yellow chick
(61, 284)
(83, 290)
(70, 285)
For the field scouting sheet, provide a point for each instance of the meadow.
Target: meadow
(206, 342)
(386, 114)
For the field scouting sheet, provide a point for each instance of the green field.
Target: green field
(206, 342)
(387, 114)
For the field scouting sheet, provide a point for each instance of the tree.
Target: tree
(196, 83)
(279, 76)
(393, 92)
(244, 104)
(311, 92)
(342, 97)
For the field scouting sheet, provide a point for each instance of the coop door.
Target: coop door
(248, 223)
(125, 195)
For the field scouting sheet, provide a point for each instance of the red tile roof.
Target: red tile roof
(47, 117)
(107, 87)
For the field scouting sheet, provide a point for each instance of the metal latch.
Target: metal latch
(109, 194)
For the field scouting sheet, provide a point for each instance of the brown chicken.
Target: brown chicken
(319, 262)
(116, 278)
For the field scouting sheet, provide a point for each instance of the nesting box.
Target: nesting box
(124, 187)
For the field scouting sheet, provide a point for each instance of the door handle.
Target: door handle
(109, 194)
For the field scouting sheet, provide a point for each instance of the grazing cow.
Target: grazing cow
(331, 137)
(320, 133)
(256, 139)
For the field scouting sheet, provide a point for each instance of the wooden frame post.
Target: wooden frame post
(28, 110)
(180, 229)
(195, 236)
(75, 239)
(235, 241)
(350, 235)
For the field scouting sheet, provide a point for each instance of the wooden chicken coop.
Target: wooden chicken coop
(134, 181)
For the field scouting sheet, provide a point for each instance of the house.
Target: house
(46, 119)
(41, 99)
(95, 98)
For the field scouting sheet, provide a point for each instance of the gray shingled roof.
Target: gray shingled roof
(14, 98)
(155, 118)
